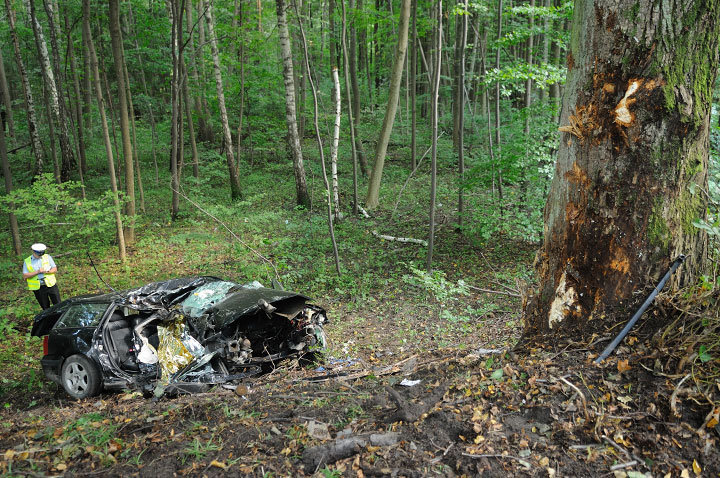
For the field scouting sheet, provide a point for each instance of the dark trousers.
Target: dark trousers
(44, 294)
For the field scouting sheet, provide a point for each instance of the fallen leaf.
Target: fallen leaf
(61, 467)
(218, 464)
(696, 467)
(623, 366)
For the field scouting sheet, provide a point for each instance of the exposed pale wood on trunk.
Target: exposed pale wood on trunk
(395, 79)
(235, 191)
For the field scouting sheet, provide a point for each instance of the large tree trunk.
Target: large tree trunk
(235, 191)
(395, 79)
(92, 57)
(119, 61)
(632, 163)
(293, 139)
(35, 143)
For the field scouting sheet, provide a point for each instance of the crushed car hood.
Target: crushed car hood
(234, 301)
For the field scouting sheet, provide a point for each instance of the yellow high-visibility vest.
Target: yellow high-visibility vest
(33, 282)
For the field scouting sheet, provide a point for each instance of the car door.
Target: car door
(73, 333)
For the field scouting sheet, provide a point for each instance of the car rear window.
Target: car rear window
(82, 315)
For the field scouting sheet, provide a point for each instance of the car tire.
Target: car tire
(80, 377)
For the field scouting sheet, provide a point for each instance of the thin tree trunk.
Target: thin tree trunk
(175, 122)
(353, 60)
(131, 110)
(293, 139)
(351, 122)
(460, 101)
(317, 136)
(119, 62)
(191, 127)
(87, 35)
(7, 174)
(434, 132)
(35, 143)
(528, 82)
(395, 79)
(153, 128)
(79, 124)
(7, 101)
(498, 146)
(413, 88)
(235, 191)
(87, 85)
(336, 144)
(51, 135)
(55, 85)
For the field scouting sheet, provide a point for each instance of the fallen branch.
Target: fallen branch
(320, 455)
(14, 150)
(363, 212)
(674, 396)
(400, 239)
(582, 396)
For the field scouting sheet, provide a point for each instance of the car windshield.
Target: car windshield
(82, 315)
(205, 296)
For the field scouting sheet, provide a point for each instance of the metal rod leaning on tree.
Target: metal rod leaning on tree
(608, 350)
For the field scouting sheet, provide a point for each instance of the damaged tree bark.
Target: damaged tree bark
(632, 163)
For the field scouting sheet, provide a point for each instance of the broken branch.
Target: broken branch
(400, 239)
(489, 291)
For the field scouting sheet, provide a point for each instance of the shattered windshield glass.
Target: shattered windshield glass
(205, 296)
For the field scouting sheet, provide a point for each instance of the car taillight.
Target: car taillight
(45, 345)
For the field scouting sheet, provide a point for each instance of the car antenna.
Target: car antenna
(98, 274)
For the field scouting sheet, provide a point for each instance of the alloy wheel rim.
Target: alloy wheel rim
(76, 378)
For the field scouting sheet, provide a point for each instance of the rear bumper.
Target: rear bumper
(51, 368)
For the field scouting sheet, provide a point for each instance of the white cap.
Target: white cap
(38, 247)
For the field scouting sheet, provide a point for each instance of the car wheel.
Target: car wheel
(80, 377)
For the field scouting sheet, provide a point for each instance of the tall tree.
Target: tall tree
(92, 57)
(119, 64)
(77, 104)
(351, 106)
(7, 174)
(434, 127)
(632, 163)
(395, 79)
(460, 105)
(55, 83)
(6, 100)
(235, 191)
(35, 143)
(293, 138)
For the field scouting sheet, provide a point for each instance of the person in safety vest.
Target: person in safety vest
(39, 271)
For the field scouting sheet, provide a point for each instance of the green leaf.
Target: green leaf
(703, 355)
(497, 374)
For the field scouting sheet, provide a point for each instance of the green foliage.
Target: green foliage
(437, 284)
(59, 216)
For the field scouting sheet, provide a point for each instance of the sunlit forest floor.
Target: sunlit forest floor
(483, 407)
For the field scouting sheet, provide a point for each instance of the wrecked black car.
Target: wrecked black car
(179, 335)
